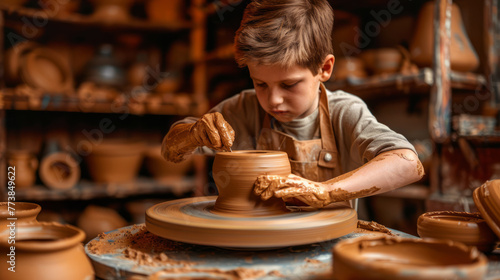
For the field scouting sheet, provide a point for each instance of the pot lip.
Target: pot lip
(255, 153)
(483, 201)
(451, 217)
(30, 209)
(62, 236)
(472, 253)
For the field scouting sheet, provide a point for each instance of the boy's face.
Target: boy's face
(288, 94)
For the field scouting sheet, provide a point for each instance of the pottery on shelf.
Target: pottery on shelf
(235, 173)
(162, 11)
(163, 170)
(59, 170)
(97, 219)
(349, 67)
(13, 60)
(46, 251)
(25, 164)
(112, 10)
(115, 160)
(463, 57)
(24, 212)
(382, 257)
(104, 69)
(468, 228)
(383, 60)
(487, 200)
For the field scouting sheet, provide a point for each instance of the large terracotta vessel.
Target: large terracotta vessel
(235, 173)
(463, 57)
(46, 251)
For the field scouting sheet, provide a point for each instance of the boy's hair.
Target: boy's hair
(286, 33)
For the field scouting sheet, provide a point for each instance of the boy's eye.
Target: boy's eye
(289, 85)
(260, 84)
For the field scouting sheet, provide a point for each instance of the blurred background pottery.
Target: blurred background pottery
(47, 251)
(104, 69)
(26, 165)
(463, 57)
(60, 7)
(487, 200)
(171, 11)
(112, 10)
(468, 228)
(349, 67)
(115, 160)
(25, 212)
(13, 60)
(163, 170)
(59, 170)
(97, 219)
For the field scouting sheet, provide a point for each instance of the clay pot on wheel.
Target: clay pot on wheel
(463, 57)
(235, 173)
(468, 228)
(46, 251)
(115, 161)
(25, 212)
(25, 165)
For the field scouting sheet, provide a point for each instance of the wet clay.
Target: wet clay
(239, 273)
(487, 200)
(387, 257)
(468, 228)
(234, 174)
(374, 227)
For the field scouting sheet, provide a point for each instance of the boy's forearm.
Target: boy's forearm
(178, 143)
(388, 171)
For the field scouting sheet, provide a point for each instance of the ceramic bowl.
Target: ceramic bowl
(468, 228)
(487, 200)
(384, 257)
(115, 161)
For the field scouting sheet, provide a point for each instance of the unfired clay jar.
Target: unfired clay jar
(163, 170)
(235, 173)
(487, 200)
(382, 257)
(468, 228)
(96, 219)
(25, 212)
(59, 170)
(112, 10)
(463, 57)
(46, 251)
(25, 165)
(115, 161)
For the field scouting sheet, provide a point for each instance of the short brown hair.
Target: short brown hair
(285, 32)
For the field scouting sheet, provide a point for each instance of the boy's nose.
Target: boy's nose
(275, 98)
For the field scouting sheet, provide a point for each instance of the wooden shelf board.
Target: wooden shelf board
(80, 20)
(86, 190)
(395, 84)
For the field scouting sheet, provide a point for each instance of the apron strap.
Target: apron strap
(328, 156)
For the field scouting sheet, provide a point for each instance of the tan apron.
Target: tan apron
(317, 159)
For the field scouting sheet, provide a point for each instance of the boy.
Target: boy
(337, 149)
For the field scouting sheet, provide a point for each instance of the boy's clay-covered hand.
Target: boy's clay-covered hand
(286, 187)
(211, 130)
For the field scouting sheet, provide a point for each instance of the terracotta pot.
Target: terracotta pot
(25, 165)
(234, 174)
(352, 67)
(463, 57)
(46, 251)
(96, 219)
(165, 11)
(380, 257)
(468, 228)
(45, 69)
(487, 200)
(112, 10)
(383, 60)
(25, 213)
(115, 161)
(59, 170)
(163, 170)
(13, 60)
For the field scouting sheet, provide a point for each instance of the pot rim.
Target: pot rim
(29, 209)
(485, 201)
(59, 236)
(254, 153)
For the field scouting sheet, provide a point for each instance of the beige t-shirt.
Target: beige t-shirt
(360, 137)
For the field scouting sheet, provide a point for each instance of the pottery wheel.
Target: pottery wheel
(191, 220)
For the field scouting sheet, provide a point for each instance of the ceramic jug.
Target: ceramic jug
(463, 57)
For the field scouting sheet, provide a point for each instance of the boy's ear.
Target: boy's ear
(327, 68)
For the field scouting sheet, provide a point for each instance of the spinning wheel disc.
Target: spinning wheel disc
(190, 220)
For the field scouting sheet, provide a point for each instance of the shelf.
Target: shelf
(61, 103)
(86, 190)
(86, 21)
(399, 85)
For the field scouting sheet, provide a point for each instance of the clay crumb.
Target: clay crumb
(374, 227)
(313, 261)
(239, 273)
